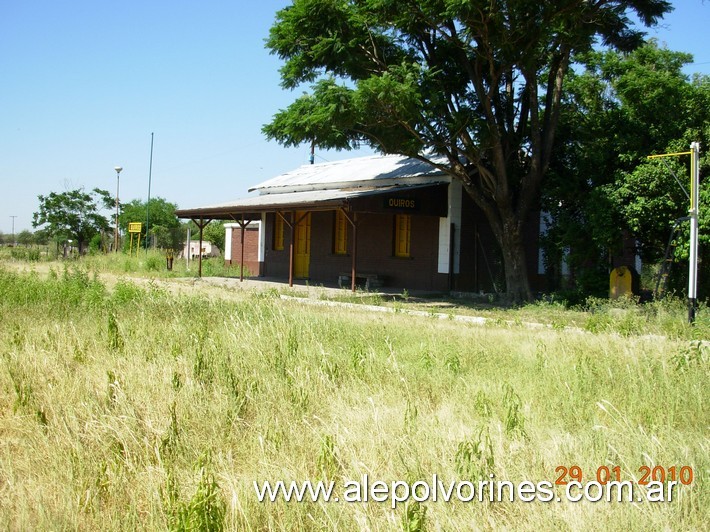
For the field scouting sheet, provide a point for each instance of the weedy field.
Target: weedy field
(132, 407)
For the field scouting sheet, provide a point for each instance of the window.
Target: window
(340, 232)
(402, 234)
(278, 232)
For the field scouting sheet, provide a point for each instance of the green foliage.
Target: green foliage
(696, 354)
(160, 215)
(28, 254)
(71, 293)
(153, 263)
(213, 232)
(602, 187)
(25, 237)
(115, 339)
(73, 214)
(168, 237)
(472, 87)
(474, 457)
(414, 517)
(327, 462)
(96, 244)
(514, 419)
(206, 509)
(215, 267)
(125, 291)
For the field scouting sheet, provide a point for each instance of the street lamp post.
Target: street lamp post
(115, 235)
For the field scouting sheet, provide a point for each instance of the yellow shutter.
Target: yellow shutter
(279, 233)
(402, 235)
(341, 234)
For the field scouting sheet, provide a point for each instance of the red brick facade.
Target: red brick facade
(375, 251)
(251, 250)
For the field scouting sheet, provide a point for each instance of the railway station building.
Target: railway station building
(376, 221)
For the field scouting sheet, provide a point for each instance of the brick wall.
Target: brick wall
(375, 253)
(251, 249)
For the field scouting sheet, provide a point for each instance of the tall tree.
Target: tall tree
(25, 237)
(474, 87)
(162, 219)
(73, 214)
(619, 110)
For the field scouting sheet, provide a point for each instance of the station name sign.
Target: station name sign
(409, 204)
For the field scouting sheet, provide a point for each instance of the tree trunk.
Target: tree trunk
(517, 285)
(507, 226)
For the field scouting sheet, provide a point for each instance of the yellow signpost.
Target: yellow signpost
(135, 228)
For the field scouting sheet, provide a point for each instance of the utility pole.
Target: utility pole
(13, 230)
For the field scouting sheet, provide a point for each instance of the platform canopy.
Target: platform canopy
(314, 200)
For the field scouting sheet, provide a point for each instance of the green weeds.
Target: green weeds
(414, 517)
(474, 457)
(204, 511)
(514, 419)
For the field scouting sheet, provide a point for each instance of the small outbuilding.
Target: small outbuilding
(206, 247)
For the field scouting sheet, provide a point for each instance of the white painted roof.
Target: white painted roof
(375, 170)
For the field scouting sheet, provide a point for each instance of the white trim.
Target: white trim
(262, 238)
(453, 217)
(228, 241)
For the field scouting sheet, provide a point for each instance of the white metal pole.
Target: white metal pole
(694, 193)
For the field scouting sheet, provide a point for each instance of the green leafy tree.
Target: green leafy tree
(213, 232)
(473, 87)
(164, 225)
(25, 237)
(602, 187)
(73, 214)
(41, 237)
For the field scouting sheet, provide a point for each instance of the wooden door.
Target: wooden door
(302, 245)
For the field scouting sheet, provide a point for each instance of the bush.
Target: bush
(95, 245)
(153, 263)
(18, 253)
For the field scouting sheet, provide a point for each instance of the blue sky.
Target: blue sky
(84, 83)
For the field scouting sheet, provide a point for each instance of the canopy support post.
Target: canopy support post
(353, 266)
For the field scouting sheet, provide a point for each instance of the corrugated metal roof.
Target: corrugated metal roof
(329, 185)
(360, 171)
(290, 200)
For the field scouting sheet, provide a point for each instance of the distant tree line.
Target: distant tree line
(25, 238)
(86, 221)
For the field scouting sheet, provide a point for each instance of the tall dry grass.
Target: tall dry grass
(134, 408)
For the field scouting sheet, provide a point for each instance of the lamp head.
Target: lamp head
(118, 169)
